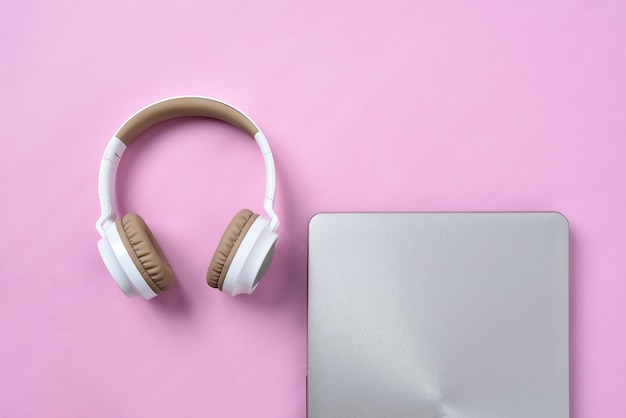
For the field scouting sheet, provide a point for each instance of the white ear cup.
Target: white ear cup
(121, 266)
(252, 258)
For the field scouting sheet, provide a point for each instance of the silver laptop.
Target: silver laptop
(438, 315)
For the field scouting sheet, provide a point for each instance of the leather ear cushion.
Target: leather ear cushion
(145, 252)
(226, 249)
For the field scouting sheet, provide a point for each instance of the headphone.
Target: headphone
(128, 248)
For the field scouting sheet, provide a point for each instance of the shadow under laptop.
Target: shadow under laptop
(574, 315)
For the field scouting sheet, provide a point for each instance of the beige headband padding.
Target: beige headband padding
(183, 107)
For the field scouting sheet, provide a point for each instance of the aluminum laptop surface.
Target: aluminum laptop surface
(438, 315)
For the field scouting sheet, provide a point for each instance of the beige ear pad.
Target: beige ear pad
(227, 248)
(145, 252)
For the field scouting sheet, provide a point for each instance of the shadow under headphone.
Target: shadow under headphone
(128, 248)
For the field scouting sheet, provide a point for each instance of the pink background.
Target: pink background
(369, 106)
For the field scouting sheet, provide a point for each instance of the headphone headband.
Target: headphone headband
(178, 107)
(172, 108)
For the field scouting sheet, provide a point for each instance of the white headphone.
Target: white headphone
(129, 250)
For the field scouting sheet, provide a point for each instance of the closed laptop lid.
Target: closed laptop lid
(438, 315)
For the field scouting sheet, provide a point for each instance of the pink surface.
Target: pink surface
(369, 106)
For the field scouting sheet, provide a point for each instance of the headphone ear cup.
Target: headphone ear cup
(145, 252)
(227, 247)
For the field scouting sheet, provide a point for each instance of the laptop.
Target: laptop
(438, 315)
